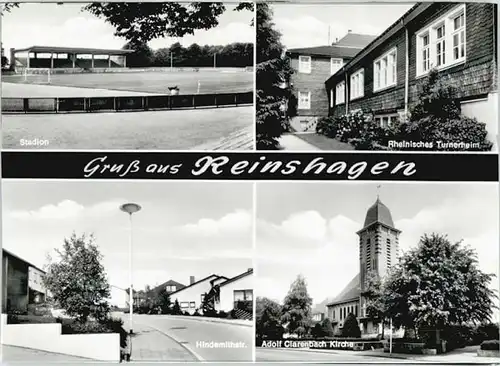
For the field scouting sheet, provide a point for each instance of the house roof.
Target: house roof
(398, 25)
(79, 50)
(357, 40)
(244, 274)
(326, 51)
(351, 292)
(197, 282)
(9, 253)
(179, 285)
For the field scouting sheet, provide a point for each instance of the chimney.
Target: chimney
(191, 280)
(349, 31)
(250, 270)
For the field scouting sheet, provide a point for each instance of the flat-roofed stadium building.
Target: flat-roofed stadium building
(45, 57)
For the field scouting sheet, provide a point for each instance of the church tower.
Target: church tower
(378, 242)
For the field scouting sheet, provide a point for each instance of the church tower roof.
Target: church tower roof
(378, 213)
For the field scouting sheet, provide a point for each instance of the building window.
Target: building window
(385, 71)
(202, 298)
(184, 305)
(192, 304)
(340, 93)
(459, 37)
(171, 288)
(442, 43)
(304, 100)
(331, 98)
(305, 64)
(386, 121)
(357, 84)
(335, 65)
(243, 295)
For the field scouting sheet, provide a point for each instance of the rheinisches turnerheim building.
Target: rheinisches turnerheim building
(378, 251)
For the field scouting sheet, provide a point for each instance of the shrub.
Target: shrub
(196, 313)
(492, 345)
(317, 331)
(185, 313)
(222, 314)
(326, 126)
(351, 327)
(327, 328)
(109, 325)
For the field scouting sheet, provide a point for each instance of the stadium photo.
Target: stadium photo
(78, 76)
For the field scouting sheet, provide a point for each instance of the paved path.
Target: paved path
(148, 344)
(20, 354)
(290, 142)
(208, 341)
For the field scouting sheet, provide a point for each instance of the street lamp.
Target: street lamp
(130, 208)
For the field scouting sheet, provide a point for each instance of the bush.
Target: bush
(196, 313)
(492, 345)
(109, 325)
(317, 331)
(351, 327)
(222, 314)
(326, 126)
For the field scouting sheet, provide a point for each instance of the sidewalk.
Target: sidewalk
(20, 354)
(149, 344)
(239, 140)
(291, 142)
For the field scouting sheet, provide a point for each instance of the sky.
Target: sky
(184, 228)
(66, 25)
(310, 229)
(306, 25)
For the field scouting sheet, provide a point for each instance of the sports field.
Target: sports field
(189, 82)
(199, 129)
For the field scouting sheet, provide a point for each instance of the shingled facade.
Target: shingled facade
(457, 39)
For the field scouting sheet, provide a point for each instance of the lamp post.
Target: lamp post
(130, 208)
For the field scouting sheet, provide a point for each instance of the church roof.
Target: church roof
(350, 292)
(378, 212)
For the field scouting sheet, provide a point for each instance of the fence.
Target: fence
(124, 103)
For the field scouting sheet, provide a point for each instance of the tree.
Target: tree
(176, 309)
(273, 88)
(142, 56)
(326, 328)
(209, 300)
(163, 301)
(78, 280)
(268, 319)
(438, 284)
(351, 327)
(373, 295)
(296, 310)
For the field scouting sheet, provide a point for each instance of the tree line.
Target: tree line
(232, 55)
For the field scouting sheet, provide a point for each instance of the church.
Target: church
(378, 250)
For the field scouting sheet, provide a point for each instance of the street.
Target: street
(206, 341)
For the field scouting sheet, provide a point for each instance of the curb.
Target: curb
(336, 352)
(210, 320)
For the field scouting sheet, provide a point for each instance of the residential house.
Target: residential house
(236, 293)
(459, 40)
(378, 252)
(22, 284)
(312, 66)
(191, 297)
(318, 316)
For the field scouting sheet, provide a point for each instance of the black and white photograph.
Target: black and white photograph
(368, 272)
(128, 76)
(378, 76)
(73, 252)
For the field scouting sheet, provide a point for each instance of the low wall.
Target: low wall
(129, 103)
(48, 337)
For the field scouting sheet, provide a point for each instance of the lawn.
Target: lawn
(209, 81)
(168, 130)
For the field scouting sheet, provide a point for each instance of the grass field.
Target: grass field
(165, 130)
(211, 81)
